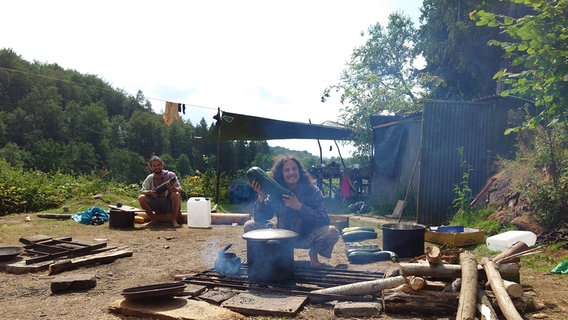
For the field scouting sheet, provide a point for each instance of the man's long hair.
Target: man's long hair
(276, 171)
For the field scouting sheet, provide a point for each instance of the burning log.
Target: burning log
(468, 291)
(503, 299)
(361, 288)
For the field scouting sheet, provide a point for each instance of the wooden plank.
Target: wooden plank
(62, 216)
(176, 308)
(103, 257)
(264, 304)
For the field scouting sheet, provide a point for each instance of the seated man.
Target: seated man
(154, 202)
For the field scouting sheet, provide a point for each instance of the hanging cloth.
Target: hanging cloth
(171, 113)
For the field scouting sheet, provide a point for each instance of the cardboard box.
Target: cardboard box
(466, 238)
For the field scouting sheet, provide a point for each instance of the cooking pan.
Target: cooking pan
(161, 290)
(10, 252)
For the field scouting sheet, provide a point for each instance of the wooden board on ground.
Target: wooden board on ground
(126, 208)
(19, 266)
(176, 308)
(62, 216)
(263, 304)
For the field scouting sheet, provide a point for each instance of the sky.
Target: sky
(265, 58)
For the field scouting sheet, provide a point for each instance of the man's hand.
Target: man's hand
(291, 201)
(256, 187)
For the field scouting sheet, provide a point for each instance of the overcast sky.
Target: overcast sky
(265, 58)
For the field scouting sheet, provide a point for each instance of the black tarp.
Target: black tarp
(236, 126)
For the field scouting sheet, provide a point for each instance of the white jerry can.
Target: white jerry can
(199, 212)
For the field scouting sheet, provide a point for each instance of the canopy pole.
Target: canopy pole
(218, 178)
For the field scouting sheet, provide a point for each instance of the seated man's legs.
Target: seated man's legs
(156, 205)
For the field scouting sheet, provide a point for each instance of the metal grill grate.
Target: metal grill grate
(305, 280)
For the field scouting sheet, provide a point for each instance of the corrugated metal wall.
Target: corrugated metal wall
(477, 128)
(390, 184)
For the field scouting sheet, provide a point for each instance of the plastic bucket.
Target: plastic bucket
(199, 212)
(404, 239)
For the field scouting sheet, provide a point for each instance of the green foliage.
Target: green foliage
(462, 190)
(478, 219)
(460, 64)
(381, 75)
(537, 53)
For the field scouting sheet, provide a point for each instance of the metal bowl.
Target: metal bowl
(10, 252)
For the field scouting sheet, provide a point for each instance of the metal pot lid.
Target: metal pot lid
(269, 234)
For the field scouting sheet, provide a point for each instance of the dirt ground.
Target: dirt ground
(161, 252)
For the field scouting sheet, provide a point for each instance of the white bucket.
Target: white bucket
(503, 241)
(199, 213)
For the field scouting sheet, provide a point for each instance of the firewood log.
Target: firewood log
(484, 306)
(362, 288)
(452, 271)
(468, 292)
(503, 299)
(514, 289)
(433, 255)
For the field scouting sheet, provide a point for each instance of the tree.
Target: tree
(145, 134)
(461, 64)
(381, 75)
(538, 51)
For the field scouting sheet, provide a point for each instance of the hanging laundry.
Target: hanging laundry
(171, 113)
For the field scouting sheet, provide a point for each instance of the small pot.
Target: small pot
(270, 255)
(405, 239)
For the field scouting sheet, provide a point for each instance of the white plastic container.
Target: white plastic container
(503, 241)
(199, 212)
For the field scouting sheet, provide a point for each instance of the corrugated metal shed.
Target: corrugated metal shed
(476, 128)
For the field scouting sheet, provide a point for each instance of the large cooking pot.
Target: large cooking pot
(270, 255)
(405, 239)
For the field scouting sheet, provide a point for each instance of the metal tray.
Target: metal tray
(162, 290)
